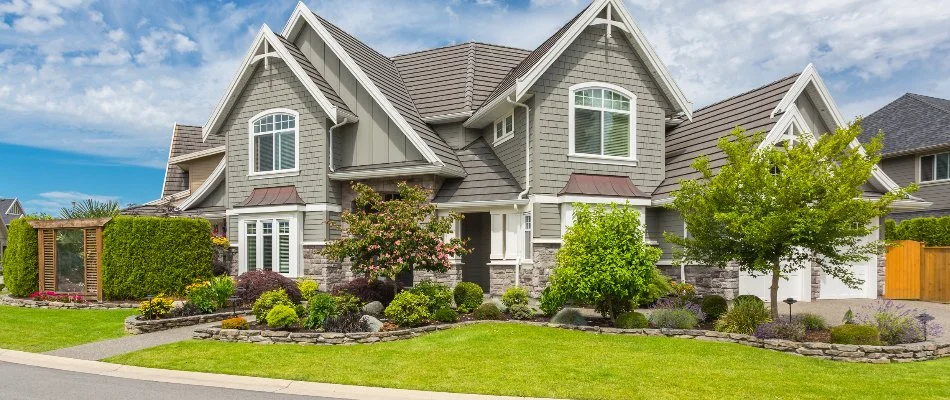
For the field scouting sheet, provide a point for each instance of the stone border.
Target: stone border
(827, 351)
(7, 300)
(135, 326)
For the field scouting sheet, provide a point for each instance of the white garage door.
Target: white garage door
(833, 288)
(796, 286)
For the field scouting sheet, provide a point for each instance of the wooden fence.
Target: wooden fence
(916, 272)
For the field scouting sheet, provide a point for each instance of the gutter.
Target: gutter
(330, 134)
(527, 171)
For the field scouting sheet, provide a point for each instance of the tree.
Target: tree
(90, 208)
(604, 260)
(384, 237)
(778, 209)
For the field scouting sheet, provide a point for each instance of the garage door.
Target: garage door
(795, 286)
(833, 288)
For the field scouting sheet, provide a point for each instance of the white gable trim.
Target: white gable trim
(268, 37)
(196, 155)
(293, 26)
(15, 202)
(217, 175)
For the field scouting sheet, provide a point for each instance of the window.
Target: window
(269, 244)
(602, 122)
(935, 167)
(505, 236)
(505, 128)
(274, 142)
(528, 229)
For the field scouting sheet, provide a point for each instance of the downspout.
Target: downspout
(527, 173)
(344, 122)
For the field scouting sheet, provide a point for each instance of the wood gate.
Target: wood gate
(916, 272)
(48, 234)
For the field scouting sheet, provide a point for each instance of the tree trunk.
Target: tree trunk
(773, 290)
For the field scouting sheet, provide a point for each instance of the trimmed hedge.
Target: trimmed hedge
(20, 261)
(931, 231)
(149, 255)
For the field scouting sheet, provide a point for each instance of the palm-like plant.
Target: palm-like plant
(90, 208)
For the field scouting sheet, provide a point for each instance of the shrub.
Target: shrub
(683, 292)
(370, 290)
(896, 323)
(408, 309)
(551, 301)
(319, 308)
(631, 320)
(515, 295)
(714, 306)
(439, 295)
(520, 311)
(748, 297)
(59, 297)
(20, 259)
(235, 323)
(855, 334)
(210, 296)
(268, 301)
(346, 315)
(932, 231)
(186, 310)
(677, 303)
(673, 318)
(255, 283)
(308, 288)
(487, 311)
(782, 329)
(569, 316)
(281, 316)
(157, 307)
(468, 296)
(446, 315)
(811, 322)
(744, 317)
(658, 287)
(148, 255)
(604, 260)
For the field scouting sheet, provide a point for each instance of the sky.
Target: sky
(90, 89)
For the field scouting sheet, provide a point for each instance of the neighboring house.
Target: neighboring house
(916, 148)
(10, 209)
(510, 138)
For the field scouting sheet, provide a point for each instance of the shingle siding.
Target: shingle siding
(511, 152)
(660, 220)
(547, 221)
(903, 170)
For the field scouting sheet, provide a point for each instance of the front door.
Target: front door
(476, 229)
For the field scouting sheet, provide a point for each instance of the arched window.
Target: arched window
(602, 122)
(273, 142)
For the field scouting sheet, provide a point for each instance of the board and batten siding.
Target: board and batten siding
(903, 170)
(375, 139)
(511, 152)
(278, 87)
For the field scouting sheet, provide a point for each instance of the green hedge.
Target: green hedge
(931, 231)
(20, 261)
(148, 255)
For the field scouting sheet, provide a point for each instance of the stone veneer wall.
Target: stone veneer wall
(327, 273)
(708, 280)
(136, 326)
(533, 276)
(881, 262)
(827, 351)
(500, 278)
(450, 278)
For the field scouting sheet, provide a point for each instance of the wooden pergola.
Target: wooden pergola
(91, 252)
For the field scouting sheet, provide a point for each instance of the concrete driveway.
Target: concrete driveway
(833, 311)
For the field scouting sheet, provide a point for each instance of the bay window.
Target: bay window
(274, 142)
(602, 122)
(270, 244)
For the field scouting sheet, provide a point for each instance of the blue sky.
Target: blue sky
(89, 89)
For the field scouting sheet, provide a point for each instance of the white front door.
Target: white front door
(833, 288)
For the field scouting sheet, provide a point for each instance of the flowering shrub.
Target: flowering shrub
(210, 296)
(157, 307)
(220, 241)
(896, 323)
(671, 303)
(783, 328)
(60, 297)
(384, 238)
(684, 292)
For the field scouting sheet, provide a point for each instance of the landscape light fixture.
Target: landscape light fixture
(790, 301)
(924, 318)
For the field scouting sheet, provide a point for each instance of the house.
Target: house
(916, 148)
(10, 209)
(510, 138)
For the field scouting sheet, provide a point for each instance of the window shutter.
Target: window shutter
(586, 131)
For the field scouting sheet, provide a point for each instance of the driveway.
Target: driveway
(833, 311)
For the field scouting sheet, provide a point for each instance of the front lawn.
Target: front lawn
(39, 330)
(521, 360)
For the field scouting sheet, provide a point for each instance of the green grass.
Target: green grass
(520, 360)
(39, 330)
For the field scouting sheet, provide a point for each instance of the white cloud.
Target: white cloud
(159, 43)
(52, 202)
(38, 16)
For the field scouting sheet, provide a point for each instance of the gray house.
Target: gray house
(510, 138)
(10, 209)
(916, 148)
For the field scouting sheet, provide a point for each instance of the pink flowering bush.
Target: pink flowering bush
(385, 237)
(60, 297)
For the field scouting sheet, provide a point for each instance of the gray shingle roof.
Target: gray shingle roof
(4, 206)
(911, 123)
(750, 110)
(314, 75)
(382, 71)
(186, 139)
(458, 78)
(486, 179)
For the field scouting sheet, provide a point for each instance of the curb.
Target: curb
(255, 384)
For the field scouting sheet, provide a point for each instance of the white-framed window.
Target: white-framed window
(274, 142)
(506, 236)
(528, 239)
(602, 123)
(505, 128)
(270, 243)
(935, 167)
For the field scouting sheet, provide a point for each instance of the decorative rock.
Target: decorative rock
(373, 308)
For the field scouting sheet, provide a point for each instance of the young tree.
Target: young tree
(384, 237)
(604, 260)
(90, 209)
(775, 210)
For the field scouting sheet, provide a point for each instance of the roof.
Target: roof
(601, 185)
(186, 139)
(5, 205)
(750, 110)
(272, 196)
(164, 211)
(455, 79)
(383, 73)
(486, 177)
(910, 124)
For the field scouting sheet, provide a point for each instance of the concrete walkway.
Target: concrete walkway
(127, 344)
